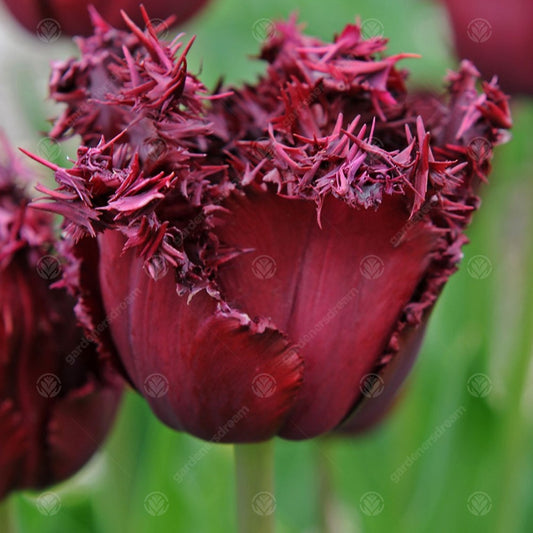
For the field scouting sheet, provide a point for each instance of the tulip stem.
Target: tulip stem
(331, 516)
(6, 517)
(256, 503)
(326, 498)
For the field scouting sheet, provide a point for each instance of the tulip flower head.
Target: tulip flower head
(291, 238)
(55, 403)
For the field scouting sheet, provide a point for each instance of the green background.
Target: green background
(480, 326)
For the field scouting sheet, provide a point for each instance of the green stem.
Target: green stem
(7, 524)
(325, 492)
(254, 464)
(328, 505)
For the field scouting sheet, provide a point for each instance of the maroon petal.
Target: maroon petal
(207, 373)
(12, 446)
(80, 277)
(382, 389)
(335, 291)
(78, 425)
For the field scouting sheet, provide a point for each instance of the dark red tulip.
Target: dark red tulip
(51, 19)
(291, 237)
(55, 408)
(497, 37)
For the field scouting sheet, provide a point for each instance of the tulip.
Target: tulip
(51, 19)
(291, 238)
(56, 405)
(497, 37)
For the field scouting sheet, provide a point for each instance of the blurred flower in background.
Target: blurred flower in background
(497, 37)
(56, 402)
(51, 19)
(283, 241)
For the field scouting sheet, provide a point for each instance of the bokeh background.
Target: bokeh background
(456, 453)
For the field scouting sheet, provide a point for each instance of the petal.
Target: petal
(337, 292)
(370, 408)
(216, 375)
(81, 278)
(77, 427)
(13, 446)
